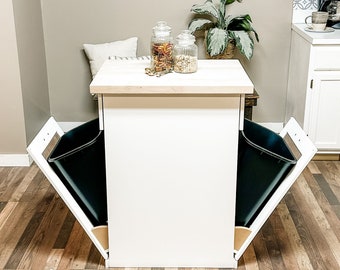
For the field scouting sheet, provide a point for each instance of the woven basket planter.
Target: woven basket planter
(228, 52)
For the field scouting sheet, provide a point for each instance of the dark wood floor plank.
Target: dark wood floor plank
(26, 224)
(325, 199)
(65, 232)
(45, 236)
(284, 246)
(38, 185)
(72, 247)
(24, 241)
(305, 235)
(270, 239)
(80, 260)
(313, 167)
(12, 179)
(326, 218)
(2, 206)
(293, 237)
(27, 177)
(318, 241)
(326, 189)
(249, 259)
(94, 258)
(54, 259)
(37, 231)
(12, 228)
(262, 255)
(241, 265)
(331, 172)
(336, 209)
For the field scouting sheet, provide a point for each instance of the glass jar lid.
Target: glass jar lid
(185, 38)
(161, 29)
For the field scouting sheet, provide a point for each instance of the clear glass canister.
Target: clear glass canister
(185, 53)
(161, 48)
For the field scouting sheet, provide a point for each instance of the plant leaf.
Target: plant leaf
(244, 43)
(227, 21)
(228, 2)
(198, 24)
(208, 8)
(244, 23)
(222, 8)
(216, 41)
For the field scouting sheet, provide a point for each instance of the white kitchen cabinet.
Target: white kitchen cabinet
(171, 162)
(171, 146)
(325, 112)
(171, 150)
(313, 96)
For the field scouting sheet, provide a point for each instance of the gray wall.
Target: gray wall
(44, 70)
(32, 60)
(268, 68)
(12, 131)
(24, 103)
(69, 24)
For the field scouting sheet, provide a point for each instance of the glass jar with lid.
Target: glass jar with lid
(161, 48)
(185, 53)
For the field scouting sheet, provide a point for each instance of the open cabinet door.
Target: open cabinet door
(304, 150)
(39, 150)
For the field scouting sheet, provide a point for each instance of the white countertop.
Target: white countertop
(331, 38)
(212, 77)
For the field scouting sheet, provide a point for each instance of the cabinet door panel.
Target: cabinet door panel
(324, 127)
(171, 177)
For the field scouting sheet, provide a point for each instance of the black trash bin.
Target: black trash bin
(79, 161)
(264, 160)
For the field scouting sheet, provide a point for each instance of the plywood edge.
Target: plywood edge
(241, 235)
(330, 157)
(51, 145)
(101, 233)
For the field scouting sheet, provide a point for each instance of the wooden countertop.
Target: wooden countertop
(213, 77)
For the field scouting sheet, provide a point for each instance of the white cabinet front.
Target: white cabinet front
(313, 95)
(171, 176)
(324, 128)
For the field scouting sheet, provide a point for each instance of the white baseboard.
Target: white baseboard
(15, 160)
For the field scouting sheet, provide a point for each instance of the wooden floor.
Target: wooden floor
(38, 232)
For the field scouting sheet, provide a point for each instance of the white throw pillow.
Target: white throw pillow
(98, 53)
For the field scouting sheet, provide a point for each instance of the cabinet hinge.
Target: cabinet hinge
(311, 84)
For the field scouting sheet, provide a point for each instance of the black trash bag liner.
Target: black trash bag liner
(79, 161)
(264, 160)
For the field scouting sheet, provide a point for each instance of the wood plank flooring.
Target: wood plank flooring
(37, 231)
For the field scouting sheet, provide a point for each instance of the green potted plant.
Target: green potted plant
(222, 29)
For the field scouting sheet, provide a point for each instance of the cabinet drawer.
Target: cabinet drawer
(326, 57)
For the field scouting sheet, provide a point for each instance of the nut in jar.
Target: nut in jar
(185, 53)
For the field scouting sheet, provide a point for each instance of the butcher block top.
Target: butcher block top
(217, 77)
